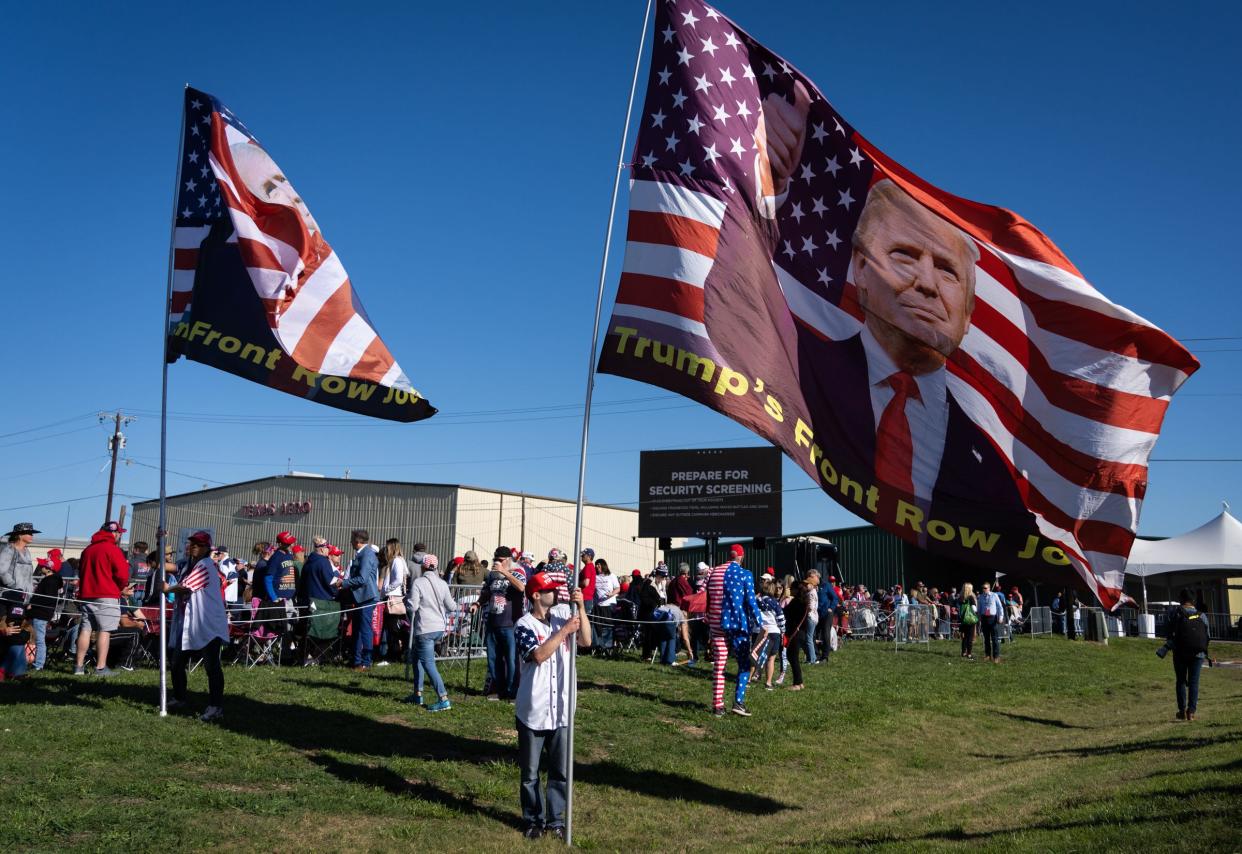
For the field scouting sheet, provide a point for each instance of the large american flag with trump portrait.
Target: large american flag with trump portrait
(1018, 441)
(257, 290)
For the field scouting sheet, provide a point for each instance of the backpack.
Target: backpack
(1190, 636)
(969, 617)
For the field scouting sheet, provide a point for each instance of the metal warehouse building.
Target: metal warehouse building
(449, 518)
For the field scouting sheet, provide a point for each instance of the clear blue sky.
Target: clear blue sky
(459, 159)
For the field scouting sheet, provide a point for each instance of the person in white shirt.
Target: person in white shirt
(606, 588)
(542, 638)
(394, 582)
(200, 624)
(228, 572)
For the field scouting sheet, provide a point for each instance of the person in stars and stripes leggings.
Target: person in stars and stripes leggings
(733, 616)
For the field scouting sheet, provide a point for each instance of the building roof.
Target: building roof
(319, 479)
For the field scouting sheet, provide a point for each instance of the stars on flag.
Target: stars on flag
(198, 201)
(719, 93)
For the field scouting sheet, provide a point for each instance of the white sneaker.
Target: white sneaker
(382, 664)
(213, 713)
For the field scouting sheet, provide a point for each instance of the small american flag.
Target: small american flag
(1067, 388)
(227, 178)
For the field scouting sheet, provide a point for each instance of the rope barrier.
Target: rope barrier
(299, 615)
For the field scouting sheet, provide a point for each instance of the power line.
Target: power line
(443, 417)
(69, 501)
(53, 468)
(324, 465)
(46, 426)
(48, 436)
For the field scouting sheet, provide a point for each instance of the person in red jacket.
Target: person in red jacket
(103, 576)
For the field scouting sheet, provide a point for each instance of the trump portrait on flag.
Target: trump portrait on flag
(876, 393)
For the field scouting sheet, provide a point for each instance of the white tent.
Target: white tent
(1214, 546)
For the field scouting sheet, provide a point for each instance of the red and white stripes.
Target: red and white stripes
(311, 306)
(670, 249)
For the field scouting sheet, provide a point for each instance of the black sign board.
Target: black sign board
(716, 492)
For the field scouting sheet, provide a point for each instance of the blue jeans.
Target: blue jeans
(602, 630)
(666, 635)
(502, 670)
(364, 637)
(546, 748)
(14, 661)
(40, 638)
(426, 645)
(809, 645)
(1187, 673)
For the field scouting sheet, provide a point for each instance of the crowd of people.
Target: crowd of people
(284, 604)
(388, 606)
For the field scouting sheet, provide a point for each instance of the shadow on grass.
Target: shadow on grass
(1031, 719)
(39, 689)
(1127, 748)
(344, 687)
(393, 783)
(309, 730)
(1053, 826)
(1220, 767)
(613, 688)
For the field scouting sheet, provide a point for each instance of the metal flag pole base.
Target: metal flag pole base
(586, 427)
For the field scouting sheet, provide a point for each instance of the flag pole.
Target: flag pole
(161, 532)
(586, 425)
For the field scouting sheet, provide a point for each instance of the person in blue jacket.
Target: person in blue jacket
(362, 584)
(829, 601)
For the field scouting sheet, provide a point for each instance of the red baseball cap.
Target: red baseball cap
(200, 538)
(113, 528)
(334, 551)
(297, 549)
(637, 573)
(285, 538)
(736, 550)
(540, 582)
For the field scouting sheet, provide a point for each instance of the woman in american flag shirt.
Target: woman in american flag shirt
(200, 624)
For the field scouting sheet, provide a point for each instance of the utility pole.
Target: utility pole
(115, 442)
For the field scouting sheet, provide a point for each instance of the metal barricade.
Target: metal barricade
(864, 620)
(1039, 621)
(914, 624)
(463, 636)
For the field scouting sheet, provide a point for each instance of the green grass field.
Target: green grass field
(1062, 747)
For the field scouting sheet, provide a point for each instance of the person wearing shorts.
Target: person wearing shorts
(103, 576)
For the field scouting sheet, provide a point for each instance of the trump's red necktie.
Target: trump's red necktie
(894, 451)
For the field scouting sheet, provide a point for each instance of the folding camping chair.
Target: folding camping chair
(323, 634)
(264, 641)
(625, 633)
(147, 649)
